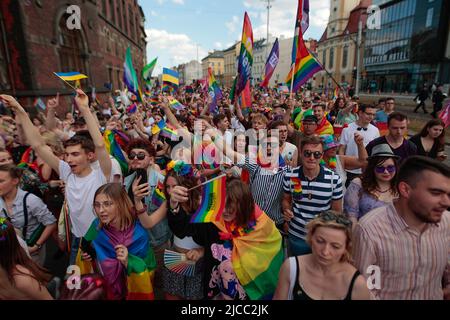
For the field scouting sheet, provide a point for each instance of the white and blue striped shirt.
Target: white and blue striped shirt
(316, 197)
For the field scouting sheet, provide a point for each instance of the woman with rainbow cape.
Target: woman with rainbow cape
(243, 248)
(119, 244)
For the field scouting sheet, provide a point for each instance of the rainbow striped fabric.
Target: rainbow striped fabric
(213, 90)
(204, 154)
(324, 127)
(213, 201)
(28, 160)
(114, 140)
(158, 196)
(132, 108)
(176, 105)
(245, 57)
(257, 256)
(141, 260)
(305, 65)
(297, 184)
(383, 128)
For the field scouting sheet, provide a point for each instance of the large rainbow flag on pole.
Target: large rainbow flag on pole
(257, 256)
(129, 74)
(213, 90)
(213, 201)
(245, 57)
(141, 261)
(304, 65)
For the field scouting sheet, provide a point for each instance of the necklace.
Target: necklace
(380, 191)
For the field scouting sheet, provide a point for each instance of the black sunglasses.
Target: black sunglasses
(317, 154)
(341, 219)
(140, 156)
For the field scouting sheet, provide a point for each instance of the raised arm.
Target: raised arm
(32, 134)
(82, 102)
(50, 120)
(351, 163)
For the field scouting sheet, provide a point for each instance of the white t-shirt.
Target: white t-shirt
(289, 148)
(80, 196)
(115, 168)
(348, 139)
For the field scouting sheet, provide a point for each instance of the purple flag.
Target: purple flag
(271, 64)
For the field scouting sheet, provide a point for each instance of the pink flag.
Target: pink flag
(445, 115)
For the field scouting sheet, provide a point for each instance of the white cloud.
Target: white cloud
(178, 1)
(233, 24)
(153, 13)
(218, 45)
(171, 48)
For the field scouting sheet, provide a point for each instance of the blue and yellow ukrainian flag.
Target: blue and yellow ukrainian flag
(170, 79)
(70, 76)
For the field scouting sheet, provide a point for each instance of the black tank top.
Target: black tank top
(300, 294)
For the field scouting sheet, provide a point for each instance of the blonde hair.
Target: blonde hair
(317, 222)
(52, 140)
(117, 194)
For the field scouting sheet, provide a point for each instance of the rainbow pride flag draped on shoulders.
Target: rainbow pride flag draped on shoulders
(134, 282)
(257, 257)
(324, 127)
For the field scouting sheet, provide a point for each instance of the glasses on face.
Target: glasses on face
(341, 219)
(140, 156)
(382, 169)
(370, 114)
(106, 205)
(317, 154)
(307, 101)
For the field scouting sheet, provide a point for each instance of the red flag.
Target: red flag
(445, 115)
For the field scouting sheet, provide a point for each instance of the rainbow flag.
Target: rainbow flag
(169, 133)
(304, 64)
(39, 104)
(324, 127)
(335, 93)
(383, 128)
(112, 145)
(213, 201)
(204, 154)
(245, 57)
(170, 79)
(213, 90)
(176, 105)
(154, 100)
(129, 74)
(70, 76)
(148, 70)
(297, 184)
(28, 160)
(158, 196)
(257, 256)
(141, 261)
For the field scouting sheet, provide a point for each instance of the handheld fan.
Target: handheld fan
(177, 262)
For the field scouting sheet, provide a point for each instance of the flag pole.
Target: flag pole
(292, 79)
(65, 81)
(206, 182)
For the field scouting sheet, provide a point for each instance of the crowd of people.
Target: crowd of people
(325, 198)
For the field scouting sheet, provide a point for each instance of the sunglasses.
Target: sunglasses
(317, 154)
(341, 219)
(381, 169)
(140, 156)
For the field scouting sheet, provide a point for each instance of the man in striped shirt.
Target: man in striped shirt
(309, 190)
(407, 243)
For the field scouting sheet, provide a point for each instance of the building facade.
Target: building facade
(36, 41)
(259, 60)
(337, 48)
(216, 61)
(192, 71)
(409, 50)
(231, 56)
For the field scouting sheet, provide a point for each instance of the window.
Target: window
(429, 22)
(104, 8)
(112, 13)
(132, 30)
(71, 51)
(345, 57)
(331, 58)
